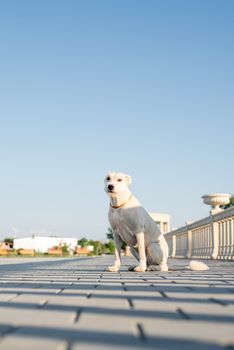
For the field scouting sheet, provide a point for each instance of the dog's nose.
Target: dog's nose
(110, 187)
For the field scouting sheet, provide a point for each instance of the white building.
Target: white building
(163, 221)
(42, 244)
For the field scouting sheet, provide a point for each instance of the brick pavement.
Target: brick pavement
(75, 304)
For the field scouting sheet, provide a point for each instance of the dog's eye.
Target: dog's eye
(108, 178)
(119, 180)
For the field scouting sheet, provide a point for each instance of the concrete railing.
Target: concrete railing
(209, 238)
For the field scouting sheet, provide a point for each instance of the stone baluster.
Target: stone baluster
(215, 238)
(190, 244)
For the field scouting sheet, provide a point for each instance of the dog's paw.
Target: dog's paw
(153, 268)
(140, 268)
(162, 268)
(113, 268)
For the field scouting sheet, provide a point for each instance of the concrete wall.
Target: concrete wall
(163, 221)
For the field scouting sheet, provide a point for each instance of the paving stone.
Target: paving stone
(18, 314)
(182, 334)
(26, 342)
(200, 312)
(76, 303)
(31, 291)
(4, 296)
(120, 303)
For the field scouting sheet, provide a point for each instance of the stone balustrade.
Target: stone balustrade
(209, 238)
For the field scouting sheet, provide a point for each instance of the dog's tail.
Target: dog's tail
(194, 265)
(197, 266)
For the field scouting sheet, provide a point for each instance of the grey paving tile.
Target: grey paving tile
(75, 304)
(21, 314)
(183, 334)
(4, 296)
(26, 342)
(120, 303)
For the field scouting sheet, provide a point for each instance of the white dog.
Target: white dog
(131, 223)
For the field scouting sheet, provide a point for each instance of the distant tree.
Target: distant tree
(65, 249)
(109, 234)
(97, 247)
(9, 240)
(110, 237)
(83, 242)
(110, 247)
(123, 246)
(230, 204)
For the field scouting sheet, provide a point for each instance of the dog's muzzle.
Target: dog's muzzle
(110, 188)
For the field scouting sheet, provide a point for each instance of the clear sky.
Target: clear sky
(142, 87)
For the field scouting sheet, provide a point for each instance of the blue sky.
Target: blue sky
(142, 87)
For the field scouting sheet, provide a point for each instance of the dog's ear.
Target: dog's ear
(128, 179)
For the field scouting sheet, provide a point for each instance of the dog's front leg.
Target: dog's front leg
(116, 266)
(141, 250)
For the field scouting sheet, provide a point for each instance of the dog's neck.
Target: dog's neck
(119, 200)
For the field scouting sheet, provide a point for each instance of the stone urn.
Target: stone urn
(216, 200)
